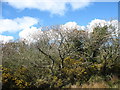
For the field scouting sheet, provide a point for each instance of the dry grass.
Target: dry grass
(92, 85)
(75, 86)
(114, 78)
(112, 83)
(96, 85)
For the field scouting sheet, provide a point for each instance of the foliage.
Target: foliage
(72, 58)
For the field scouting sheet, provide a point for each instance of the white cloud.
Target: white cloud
(26, 22)
(77, 4)
(71, 26)
(14, 25)
(30, 34)
(94, 23)
(7, 25)
(102, 23)
(53, 6)
(26, 33)
(5, 39)
(115, 25)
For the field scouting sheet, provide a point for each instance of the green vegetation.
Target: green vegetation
(77, 60)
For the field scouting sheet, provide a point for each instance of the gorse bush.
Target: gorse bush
(16, 79)
(65, 59)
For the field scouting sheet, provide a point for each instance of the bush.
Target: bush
(75, 59)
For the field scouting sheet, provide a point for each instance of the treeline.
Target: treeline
(63, 59)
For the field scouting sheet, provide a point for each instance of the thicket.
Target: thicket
(69, 58)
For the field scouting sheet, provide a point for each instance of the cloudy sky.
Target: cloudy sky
(20, 17)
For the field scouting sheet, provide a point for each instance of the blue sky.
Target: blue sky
(82, 16)
(100, 10)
